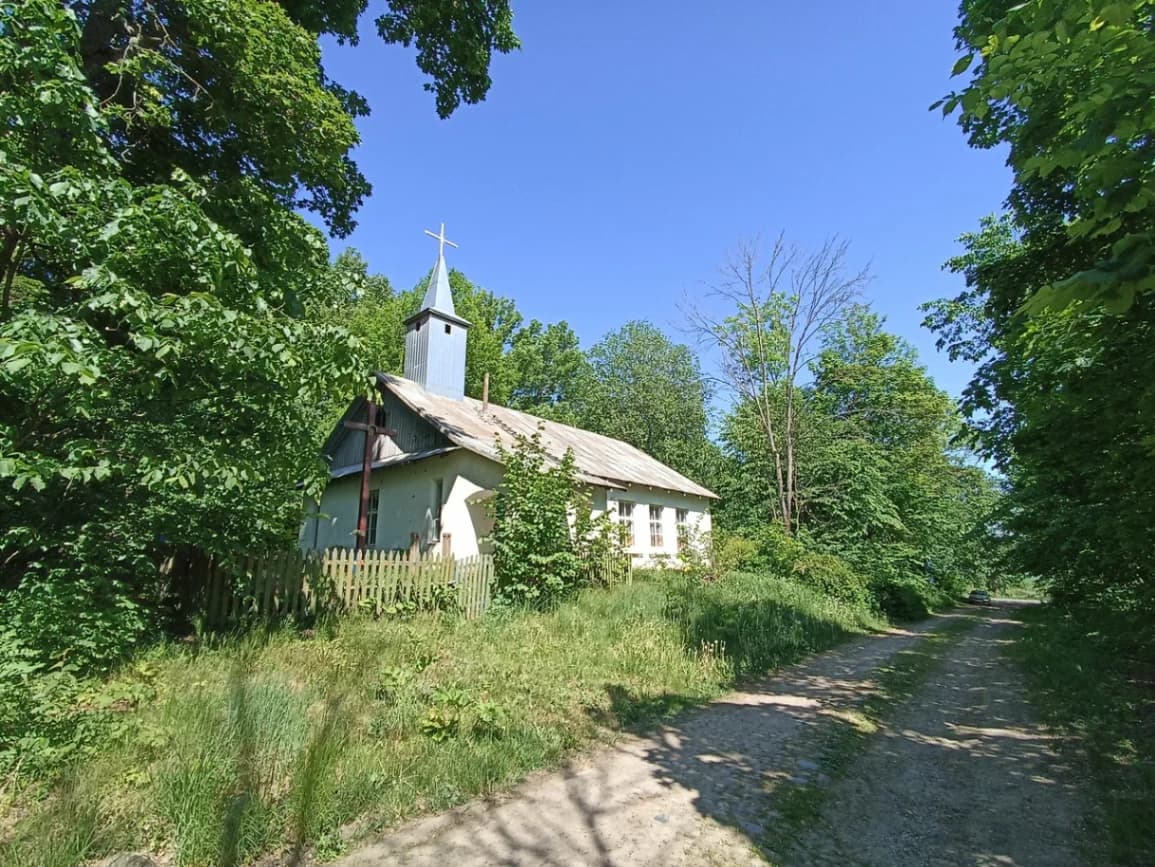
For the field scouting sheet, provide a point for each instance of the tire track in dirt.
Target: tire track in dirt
(963, 774)
(694, 793)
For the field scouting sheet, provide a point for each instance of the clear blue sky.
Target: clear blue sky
(629, 145)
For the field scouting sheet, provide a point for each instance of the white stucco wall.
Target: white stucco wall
(407, 496)
(407, 506)
(697, 520)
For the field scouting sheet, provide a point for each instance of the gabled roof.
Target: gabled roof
(600, 460)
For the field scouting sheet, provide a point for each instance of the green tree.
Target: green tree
(879, 487)
(886, 491)
(650, 392)
(776, 308)
(1061, 402)
(1066, 85)
(160, 381)
(549, 372)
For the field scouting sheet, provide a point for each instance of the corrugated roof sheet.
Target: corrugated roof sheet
(600, 460)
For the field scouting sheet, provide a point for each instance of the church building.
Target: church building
(434, 461)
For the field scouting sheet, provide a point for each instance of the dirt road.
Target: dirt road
(961, 774)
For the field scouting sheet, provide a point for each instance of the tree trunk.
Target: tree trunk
(9, 264)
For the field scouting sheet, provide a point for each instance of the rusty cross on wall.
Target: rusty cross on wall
(372, 430)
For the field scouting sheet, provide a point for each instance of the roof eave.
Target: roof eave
(433, 311)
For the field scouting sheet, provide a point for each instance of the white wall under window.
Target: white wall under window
(655, 516)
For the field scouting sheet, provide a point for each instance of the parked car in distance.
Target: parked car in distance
(979, 597)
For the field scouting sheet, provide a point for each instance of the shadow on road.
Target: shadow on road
(965, 741)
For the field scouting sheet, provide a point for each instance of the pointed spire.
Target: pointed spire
(435, 342)
(437, 294)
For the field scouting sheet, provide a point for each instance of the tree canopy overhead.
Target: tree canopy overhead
(163, 367)
(1067, 84)
(1057, 313)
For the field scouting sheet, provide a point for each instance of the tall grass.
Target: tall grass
(1093, 675)
(277, 742)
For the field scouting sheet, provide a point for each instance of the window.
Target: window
(683, 516)
(448, 329)
(374, 510)
(626, 519)
(438, 496)
(656, 527)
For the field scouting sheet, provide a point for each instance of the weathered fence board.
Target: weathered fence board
(342, 581)
(297, 585)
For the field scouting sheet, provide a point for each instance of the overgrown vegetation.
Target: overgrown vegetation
(1058, 314)
(162, 369)
(1058, 318)
(838, 464)
(535, 556)
(1094, 680)
(545, 536)
(219, 753)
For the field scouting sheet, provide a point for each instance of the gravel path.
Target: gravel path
(962, 770)
(962, 775)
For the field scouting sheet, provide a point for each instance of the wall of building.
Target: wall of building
(411, 433)
(645, 553)
(435, 354)
(407, 505)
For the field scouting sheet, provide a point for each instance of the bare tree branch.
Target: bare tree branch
(779, 305)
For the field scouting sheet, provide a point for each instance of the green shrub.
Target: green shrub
(733, 554)
(539, 555)
(778, 552)
(901, 599)
(534, 551)
(55, 632)
(831, 575)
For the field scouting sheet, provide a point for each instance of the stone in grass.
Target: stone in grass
(807, 765)
(128, 859)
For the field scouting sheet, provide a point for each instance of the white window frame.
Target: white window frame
(626, 517)
(657, 530)
(371, 515)
(682, 522)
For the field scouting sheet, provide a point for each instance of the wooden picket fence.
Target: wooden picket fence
(304, 584)
(612, 568)
(301, 585)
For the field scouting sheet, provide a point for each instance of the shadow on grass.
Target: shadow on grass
(758, 760)
(759, 628)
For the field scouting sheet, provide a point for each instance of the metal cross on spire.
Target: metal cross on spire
(441, 240)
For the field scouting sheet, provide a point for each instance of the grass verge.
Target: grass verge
(1093, 685)
(290, 744)
(839, 744)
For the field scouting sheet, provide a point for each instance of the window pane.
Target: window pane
(438, 496)
(656, 527)
(374, 508)
(626, 518)
(683, 528)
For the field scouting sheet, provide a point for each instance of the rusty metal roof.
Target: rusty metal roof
(600, 460)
